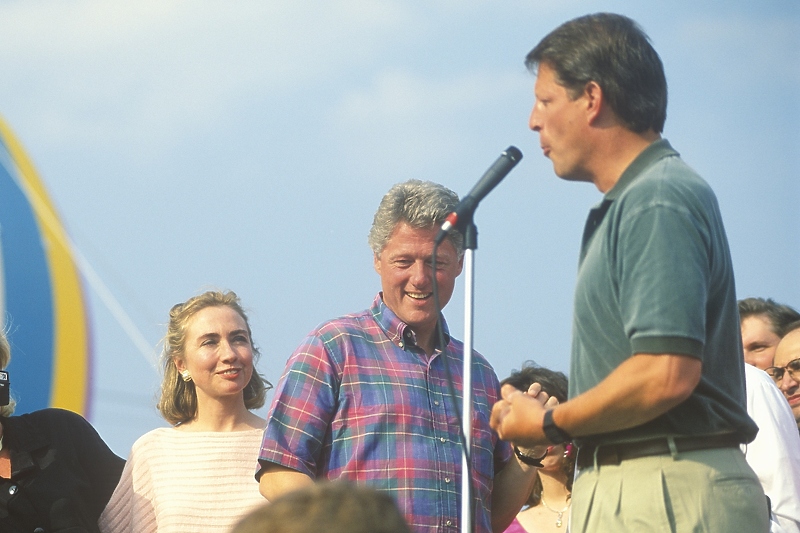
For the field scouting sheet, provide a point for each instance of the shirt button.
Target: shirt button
(449, 523)
(447, 480)
(401, 344)
(442, 439)
(436, 402)
(12, 489)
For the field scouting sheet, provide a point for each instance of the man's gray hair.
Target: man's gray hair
(420, 204)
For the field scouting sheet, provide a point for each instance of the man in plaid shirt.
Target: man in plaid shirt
(365, 396)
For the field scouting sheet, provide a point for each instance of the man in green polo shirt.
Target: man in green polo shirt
(657, 399)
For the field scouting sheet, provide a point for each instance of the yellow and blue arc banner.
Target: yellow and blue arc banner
(41, 298)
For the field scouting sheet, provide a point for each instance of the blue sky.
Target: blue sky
(246, 145)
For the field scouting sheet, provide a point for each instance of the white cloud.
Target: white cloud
(761, 46)
(402, 96)
(143, 71)
(419, 117)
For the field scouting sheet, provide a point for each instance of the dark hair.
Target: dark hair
(332, 506)
(779, 316)
(554, 383)
(792, 326)
(614, 52)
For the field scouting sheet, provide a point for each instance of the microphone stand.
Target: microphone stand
(470, 245)
(461, 220)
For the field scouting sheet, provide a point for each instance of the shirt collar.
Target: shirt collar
(398, 331)
(657, 150)
(22, 438)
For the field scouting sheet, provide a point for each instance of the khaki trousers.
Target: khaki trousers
(704, 491)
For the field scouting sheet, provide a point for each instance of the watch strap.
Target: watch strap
(554, 434)
(528, 460)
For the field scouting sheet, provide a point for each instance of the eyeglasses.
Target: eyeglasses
(777, 372)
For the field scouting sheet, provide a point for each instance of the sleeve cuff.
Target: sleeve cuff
(671, 345)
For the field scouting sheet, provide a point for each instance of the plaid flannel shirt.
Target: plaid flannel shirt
(360, 401)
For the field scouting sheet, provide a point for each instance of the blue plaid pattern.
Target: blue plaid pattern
(360, 401)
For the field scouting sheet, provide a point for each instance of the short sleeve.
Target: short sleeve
(663, 272)
(301, 411)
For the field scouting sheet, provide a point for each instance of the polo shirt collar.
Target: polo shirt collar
(657, 150)
(396, 330)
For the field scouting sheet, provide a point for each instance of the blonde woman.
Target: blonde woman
(198, 474)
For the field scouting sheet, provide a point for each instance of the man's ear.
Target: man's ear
(376, 263)
(595, 101)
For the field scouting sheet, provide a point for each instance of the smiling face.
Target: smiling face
(561, 123)
(759, 341)
(218, 354)
(406, 271)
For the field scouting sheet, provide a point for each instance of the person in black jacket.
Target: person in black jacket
(56, 473)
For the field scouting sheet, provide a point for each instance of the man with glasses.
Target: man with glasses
(774, 454)
(786, 369)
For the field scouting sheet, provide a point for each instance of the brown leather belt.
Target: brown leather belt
(614, 454)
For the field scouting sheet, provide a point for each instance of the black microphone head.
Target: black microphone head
(513, 153)
(502, 166)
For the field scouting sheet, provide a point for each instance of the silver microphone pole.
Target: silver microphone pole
(461, 220)
(466, 405)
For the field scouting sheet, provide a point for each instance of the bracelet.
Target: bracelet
(528, 460)
(554, 434)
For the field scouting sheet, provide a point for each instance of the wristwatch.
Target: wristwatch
(528, 460)
(554, 434)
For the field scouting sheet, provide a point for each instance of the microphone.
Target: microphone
(466, 207)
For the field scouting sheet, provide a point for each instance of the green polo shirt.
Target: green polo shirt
(655, 276)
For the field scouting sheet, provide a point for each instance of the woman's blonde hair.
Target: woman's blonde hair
(5, 358)
(178, 402)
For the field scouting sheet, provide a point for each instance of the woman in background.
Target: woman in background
(56, 473)
(197, 475)
(547, 508)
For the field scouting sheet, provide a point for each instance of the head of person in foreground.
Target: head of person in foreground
(332, 507)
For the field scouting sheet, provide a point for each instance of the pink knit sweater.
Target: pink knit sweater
(179, 481)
